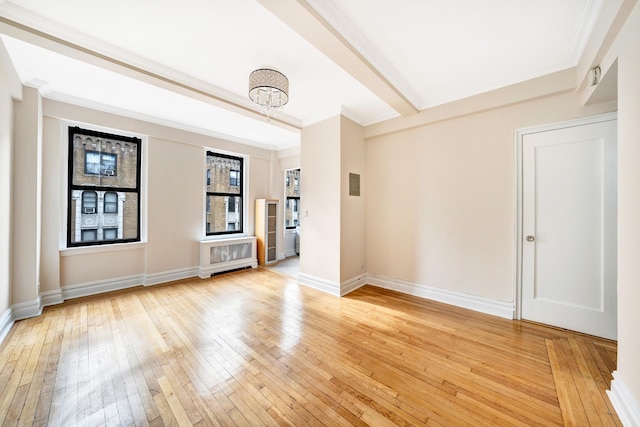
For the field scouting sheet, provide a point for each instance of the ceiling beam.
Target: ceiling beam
(304, 20)
(73, 47)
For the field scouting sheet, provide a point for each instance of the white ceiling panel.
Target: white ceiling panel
(429, 51)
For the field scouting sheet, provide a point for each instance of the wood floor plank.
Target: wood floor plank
(256, 348)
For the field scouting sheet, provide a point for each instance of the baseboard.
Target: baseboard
(351, 285)
(170, 276)
(320, 284)
(291, 252)
(51, 298)
(102, 286)
(6, 322)
(626, 407)
(497, 308)
(24, 310)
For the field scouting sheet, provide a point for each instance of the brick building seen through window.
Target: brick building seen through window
(224, 194)
(104, 188)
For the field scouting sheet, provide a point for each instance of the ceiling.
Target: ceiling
(186, 64)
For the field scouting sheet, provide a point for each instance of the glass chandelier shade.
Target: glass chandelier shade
(269, 89)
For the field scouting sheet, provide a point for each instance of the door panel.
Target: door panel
(569, 210)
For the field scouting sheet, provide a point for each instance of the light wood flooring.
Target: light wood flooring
(255, 348)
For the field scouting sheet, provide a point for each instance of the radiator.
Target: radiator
(228, 254)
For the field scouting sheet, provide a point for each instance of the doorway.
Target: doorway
(567, 217)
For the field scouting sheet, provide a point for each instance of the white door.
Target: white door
(569, 209)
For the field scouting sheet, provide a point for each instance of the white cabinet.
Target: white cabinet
(267, 230)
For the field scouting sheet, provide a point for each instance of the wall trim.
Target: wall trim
(51, 298)
(472, 302)
(170, 276)
(352, 284)
(626, 407)
(320, 284)
(24, 310)
(102, 286)
(6, 322)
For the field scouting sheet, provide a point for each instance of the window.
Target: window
(292, 194)
(224, 194)
(110, 202)
(89, 235)
(104, 179)
(110, 234)
(234, 178)
(97, 163)
(89, 202)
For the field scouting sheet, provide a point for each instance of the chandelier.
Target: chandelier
(269, 89)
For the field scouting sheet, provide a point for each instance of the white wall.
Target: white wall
(10, 88)
(628, 371)
(27, 194)
(175, 205)
(53, 199)
(352, 208)
(441, 198)
(320, 186)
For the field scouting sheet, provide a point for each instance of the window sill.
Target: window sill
(224, 237)
(117, 247)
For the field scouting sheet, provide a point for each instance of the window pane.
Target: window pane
(104, 189)
(292, 213)
(292, 183)
(292, 194)
(234, 178)
(102, 220)
(104, 162)
(219, 218)
(89, 235)
(110, 202)
(225, 174)
(110, 234)
(90, 201)
(108, 161)
(224, 194)
(92, 163)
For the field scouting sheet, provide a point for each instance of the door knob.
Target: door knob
(530, 238)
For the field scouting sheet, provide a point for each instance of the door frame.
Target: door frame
(519, 138)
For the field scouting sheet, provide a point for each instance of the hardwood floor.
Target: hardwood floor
(255, 348)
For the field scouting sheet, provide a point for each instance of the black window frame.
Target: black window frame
(75, 130)
(239, 194)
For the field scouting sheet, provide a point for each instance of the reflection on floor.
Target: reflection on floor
(289, 266)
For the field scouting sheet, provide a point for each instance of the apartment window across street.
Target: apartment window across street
(97, 163)
(104, 188)
(234, 178)
(224, 194)
(292, 194)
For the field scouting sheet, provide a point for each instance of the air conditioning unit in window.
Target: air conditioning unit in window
(109, 172)
(89, 210)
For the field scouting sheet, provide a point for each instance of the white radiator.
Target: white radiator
(227, 254)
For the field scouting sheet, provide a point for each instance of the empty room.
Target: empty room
(310, 212)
